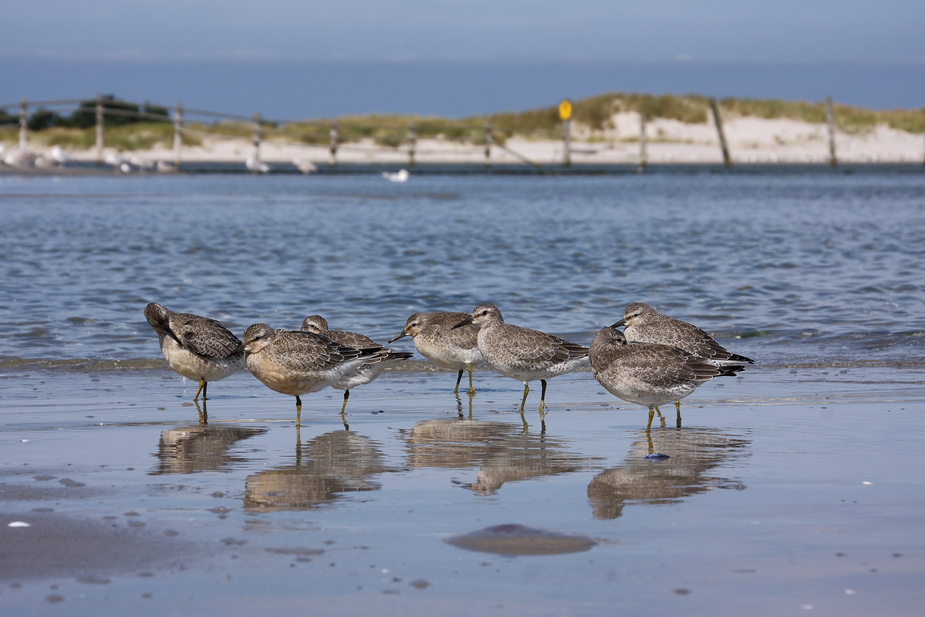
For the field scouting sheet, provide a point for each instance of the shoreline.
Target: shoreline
(669, 142)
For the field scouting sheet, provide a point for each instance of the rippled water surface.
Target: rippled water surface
(804, 268)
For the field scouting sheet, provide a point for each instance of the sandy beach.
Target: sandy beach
(750, 140)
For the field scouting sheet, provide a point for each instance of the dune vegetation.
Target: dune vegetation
(130, 126)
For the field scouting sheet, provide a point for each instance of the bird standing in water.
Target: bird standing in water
(523, 354)
(364, 373)
(198, 348)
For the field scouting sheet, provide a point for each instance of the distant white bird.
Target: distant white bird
(305, 166)
(60, 155)
(166, 168)
(114, 159)
(125, 168)
(253, 164)
(401, 175)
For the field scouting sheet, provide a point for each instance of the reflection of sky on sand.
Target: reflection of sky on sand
(195, 448)
(693, 453)
(503, 452)
(326, 466)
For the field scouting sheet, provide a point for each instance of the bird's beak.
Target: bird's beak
(619, 324)
(464, 322)
(240, 348)
(401, 334)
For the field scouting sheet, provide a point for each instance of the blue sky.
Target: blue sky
(729, 48)
(634, 30)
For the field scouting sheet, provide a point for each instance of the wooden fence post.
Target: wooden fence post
(333, 137)
(830, 120)
(727, 161)
(177, 136)
(488, 144)
(99, 129)
(567, 142)
(412, 142)
(23, 125)
(257, 137)
(643, 141)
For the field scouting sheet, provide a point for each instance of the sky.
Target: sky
(486, 55)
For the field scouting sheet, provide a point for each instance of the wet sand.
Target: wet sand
(788, 490)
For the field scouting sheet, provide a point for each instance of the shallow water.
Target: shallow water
(806, 268)
(790, 488)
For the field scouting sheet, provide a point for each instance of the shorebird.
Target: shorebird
(196, 347)
(401, 175)
(297, 363)
(435, 338)
(364, 373)
(649, 374)
(523, 354)
(254, 165)
(643, 324)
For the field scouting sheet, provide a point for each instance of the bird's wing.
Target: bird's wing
(203, 336)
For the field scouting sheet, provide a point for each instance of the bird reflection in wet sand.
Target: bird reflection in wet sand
(503, 452)
(190, 449)
(693, 452)
(324, 468)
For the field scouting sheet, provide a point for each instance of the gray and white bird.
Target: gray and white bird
(523, 354)
(364, 373)
(198, 348)
(435, 338)
(643, 324)
(296, 363)
(649, 374)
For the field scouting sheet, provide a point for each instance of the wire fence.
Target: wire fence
(337, 136)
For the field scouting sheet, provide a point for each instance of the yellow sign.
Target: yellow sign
(565, 110)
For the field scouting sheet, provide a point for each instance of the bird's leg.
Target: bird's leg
(651, 415)
(543, 399)
(298, 411)
(471, 388)
(524, 420)
(343, 414)
(458, 379)
(677, 406)
(661, 418)
(526, 392)
(202, 388)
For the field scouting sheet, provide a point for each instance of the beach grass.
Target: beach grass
(595, 113)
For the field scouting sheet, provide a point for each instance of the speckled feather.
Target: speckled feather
(200, 335)
(644, 324)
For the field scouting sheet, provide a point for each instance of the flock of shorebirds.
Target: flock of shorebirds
(655, 360)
